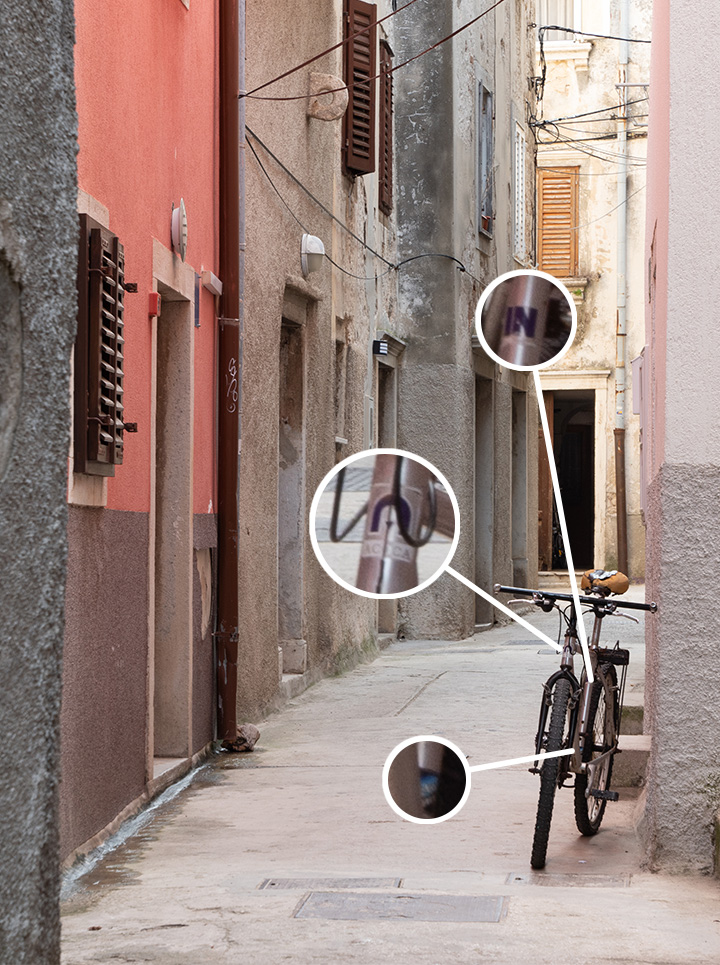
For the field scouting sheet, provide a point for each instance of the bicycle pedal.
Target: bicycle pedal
(605, 795)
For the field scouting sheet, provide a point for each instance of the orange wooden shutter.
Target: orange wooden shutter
(360, 68)
(557, 221)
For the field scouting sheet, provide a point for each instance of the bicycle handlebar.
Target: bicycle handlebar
(539, 595)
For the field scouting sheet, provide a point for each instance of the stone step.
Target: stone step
(632, 714)
(630, 766)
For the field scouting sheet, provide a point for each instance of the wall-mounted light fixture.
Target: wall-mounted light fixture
(312, 252)
(379, 347)
(179, 233)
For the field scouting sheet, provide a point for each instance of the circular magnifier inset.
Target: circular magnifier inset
(426, 780)
(384, 523)
(526, 320)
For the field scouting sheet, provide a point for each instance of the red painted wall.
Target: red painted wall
(146, 97)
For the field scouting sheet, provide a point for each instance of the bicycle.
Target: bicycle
(579, 714)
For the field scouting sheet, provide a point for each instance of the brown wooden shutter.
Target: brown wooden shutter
(558, 220)
(360, 67)
(99, 361)
(385, 171)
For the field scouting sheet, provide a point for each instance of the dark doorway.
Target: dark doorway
(574, 449)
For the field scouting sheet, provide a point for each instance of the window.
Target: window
(385, 171)
(558, 220)
(561, 13)
(98, 442)
(485, 161)
(519, 219)
(360, 68)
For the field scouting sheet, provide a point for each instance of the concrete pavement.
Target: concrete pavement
(291, 853)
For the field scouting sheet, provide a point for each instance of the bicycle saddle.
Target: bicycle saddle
(607, 581)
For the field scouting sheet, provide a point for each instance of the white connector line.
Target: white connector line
(563, 528)
(523, 760)
(505, 609)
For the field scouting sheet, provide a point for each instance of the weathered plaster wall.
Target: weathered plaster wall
(104, 714)
(38, 244)
(436, 156)
(683, 791)
(338, 627)
(572, 88)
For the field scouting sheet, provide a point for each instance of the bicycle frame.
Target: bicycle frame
(581, 693)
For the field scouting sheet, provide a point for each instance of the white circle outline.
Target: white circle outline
(514, 274)
(320, 491)
(386, 772)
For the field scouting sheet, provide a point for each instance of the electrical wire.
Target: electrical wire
(600, 110)
(584, 33)
(383, 73)
(317, 201)
(329, 50)
(598, 153)
(392, 266)
(577, 227)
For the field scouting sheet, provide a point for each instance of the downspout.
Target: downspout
(230, 324)
(621, 338)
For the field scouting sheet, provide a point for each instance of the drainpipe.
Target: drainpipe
(621, 339)
(230, 323)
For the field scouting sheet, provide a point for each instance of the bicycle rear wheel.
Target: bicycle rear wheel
(589, 810)
(549, 772)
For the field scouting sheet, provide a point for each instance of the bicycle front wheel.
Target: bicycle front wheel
(589, 810)
(549, 772)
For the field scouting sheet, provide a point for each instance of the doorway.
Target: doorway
(291, 499)
(173, 537)
(573, 437)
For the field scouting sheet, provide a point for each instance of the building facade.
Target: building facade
(681, 446)
(465, 171)
(138, 668)
(591, 128)
(415, 218)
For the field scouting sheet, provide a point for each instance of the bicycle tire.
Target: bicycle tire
(549, 773)
(589, 811)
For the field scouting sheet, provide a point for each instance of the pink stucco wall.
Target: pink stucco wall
(146, 95)
(658, 181)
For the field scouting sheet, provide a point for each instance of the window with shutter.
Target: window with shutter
(99, 374)
(557, 221)
(519, 219)
(385, 171)
(360, 70)
(485, 161)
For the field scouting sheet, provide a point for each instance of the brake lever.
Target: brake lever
(625, 616)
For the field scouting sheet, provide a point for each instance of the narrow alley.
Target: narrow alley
(291, 853)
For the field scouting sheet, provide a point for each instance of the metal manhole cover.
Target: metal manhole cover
(308, 884)
(570, 880)
(352, 906)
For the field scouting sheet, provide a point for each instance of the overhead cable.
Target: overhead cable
(317, 201)
(600, 110)
(392, 266)
(329, 50)
(584, 33)
(384, 73)
(587, 223)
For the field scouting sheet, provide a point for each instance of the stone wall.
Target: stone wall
(38, 264)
